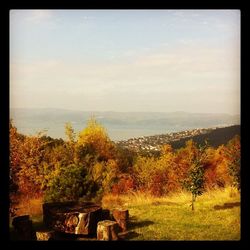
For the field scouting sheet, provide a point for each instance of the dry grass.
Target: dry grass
(33, 206)
(139, 198)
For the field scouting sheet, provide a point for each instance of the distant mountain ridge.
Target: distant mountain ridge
(119, 125)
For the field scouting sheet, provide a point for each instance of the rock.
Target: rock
(107, 230)
(23, 227)
(121, 216)
(45, 235)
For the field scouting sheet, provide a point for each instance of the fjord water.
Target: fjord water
(119, 125)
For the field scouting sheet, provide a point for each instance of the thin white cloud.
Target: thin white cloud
(172, 70)
(193, 74)
(39, 15)
(89, 17)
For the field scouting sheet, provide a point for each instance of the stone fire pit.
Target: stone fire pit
(72, 217)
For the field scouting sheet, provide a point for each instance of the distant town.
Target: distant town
(151, 144)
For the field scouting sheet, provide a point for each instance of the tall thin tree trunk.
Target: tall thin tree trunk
(193, 200)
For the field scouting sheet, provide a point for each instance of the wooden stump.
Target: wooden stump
(45, 235)
(107, 230)
(23, 227)
(121, 217)
(106, 214)
(72, 217)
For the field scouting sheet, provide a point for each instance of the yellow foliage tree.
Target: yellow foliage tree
(96, 139)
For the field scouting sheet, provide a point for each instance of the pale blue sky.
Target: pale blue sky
(126, 60)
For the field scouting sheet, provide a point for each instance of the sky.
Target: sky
(126, 60)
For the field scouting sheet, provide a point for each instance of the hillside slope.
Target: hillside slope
(214, 137)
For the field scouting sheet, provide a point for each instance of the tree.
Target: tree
(16, 140)
(95, 140)
(69, 183)
(70, 133)
(143, 170)
(30, 175)
(194, 182)
(156, 174)
(233, 155)
(223, 176)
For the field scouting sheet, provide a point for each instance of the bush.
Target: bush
(71, 183)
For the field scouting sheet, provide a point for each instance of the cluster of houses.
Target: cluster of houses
(154, 143)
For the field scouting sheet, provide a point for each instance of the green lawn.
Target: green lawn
(178, 222)
(171, 218)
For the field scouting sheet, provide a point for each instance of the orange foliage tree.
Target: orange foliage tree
(232, 154)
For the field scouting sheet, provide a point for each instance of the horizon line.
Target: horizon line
(113, 111)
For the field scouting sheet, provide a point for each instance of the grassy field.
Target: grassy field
(171, 218)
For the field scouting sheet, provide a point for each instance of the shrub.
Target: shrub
(71, 183)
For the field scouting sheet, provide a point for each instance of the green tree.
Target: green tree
(194, 182)
(69, 183)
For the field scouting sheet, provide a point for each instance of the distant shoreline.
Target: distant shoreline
(119, 125)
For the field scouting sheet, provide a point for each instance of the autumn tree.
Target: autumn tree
(223, 177)
(95, 138)
(184, 158)
(157, 174)
(171, 168)
(30, 174)
(98, 153)
(143, 170)
(16, 140)
(233, 156)
(70, 133)
(216, 168)
(105, 175)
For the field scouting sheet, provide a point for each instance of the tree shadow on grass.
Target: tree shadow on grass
(132, 225)
(128, 235)
(166, 203)
(227, 205)
(138, 224)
